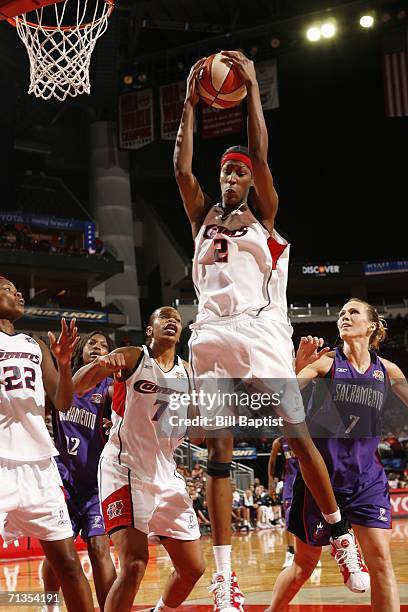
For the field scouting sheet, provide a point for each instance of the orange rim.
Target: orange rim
(31, 24)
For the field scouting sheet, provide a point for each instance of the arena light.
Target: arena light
(313, 34)
(367, 21)
(328, 29)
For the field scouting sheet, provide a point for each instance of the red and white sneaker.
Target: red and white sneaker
(347, 554)
(227, 594)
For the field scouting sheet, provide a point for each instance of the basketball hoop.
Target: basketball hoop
(59, 54)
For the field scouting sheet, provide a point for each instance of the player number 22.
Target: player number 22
(16, 378)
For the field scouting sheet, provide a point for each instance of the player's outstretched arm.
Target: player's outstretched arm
(317, 369)
(310, 349)
(276, 447)
(194, 200)
(58, 382)
(266, 196)
(195, 434)
(118, 363)
(398, 381)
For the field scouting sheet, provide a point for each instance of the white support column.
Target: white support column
(111, 201)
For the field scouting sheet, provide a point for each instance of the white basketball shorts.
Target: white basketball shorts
(247, 347)
(32, 502)
(158, 512)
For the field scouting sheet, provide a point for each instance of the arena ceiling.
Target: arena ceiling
(316, 157)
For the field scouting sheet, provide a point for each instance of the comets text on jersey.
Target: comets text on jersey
(18, 355)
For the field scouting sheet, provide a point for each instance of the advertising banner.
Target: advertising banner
(136, 127)
(171, 106)
(38, 312)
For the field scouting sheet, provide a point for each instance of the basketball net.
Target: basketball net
(60, 55)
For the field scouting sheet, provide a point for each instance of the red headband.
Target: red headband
(236, 156)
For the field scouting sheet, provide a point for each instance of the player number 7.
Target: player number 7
(354, 420)
(162, 405)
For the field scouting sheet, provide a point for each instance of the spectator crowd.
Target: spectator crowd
(253, 509)
(257, 508)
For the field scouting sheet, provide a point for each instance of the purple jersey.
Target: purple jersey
(290, 470)
(80, 437)
(344, 418)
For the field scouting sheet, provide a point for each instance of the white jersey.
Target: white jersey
(23, 434)
(239, 267)
(143, 436)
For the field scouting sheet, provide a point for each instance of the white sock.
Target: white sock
(333, 518)
(222, 556)
(161, 606)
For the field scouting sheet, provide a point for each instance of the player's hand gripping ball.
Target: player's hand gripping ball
(220, 84)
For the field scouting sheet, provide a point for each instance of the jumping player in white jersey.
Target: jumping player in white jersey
(242, 331)
(32, 502)
(141, 492)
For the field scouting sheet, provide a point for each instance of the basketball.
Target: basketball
(220, 85)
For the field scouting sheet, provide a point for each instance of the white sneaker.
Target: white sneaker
(316, 576)
(227, 594)
(261, 525)
(348, 557)
(288, 560)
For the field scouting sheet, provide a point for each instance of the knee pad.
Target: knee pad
(217, 469)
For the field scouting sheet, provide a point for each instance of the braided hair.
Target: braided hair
(77, 358)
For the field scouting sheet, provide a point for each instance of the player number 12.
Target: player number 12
(75, 443)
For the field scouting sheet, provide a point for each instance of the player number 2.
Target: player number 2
(354, 420)
(74, 445)
(220, 250)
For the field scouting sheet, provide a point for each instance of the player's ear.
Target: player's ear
(149, 331)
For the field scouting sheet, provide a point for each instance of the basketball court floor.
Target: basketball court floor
(258, 557)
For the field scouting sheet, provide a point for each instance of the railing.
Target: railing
(330, 311)
(188, 454)
(327, 312)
